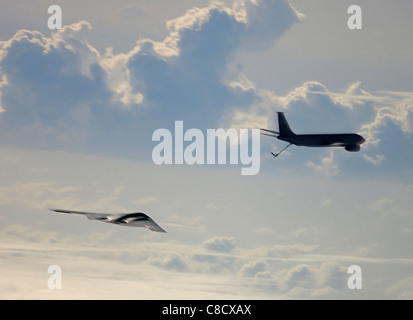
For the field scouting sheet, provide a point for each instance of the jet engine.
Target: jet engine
(352, 148)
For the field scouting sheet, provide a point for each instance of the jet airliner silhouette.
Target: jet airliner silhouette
(350, 141)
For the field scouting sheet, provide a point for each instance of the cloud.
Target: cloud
(145, 201)
(290, 250)
(220, 244)
(403, 289)
(60, 92)
(396, 107)
(170, 262)
(52, 87)
(376, 160)
(300, 276)
(256, 273)
(253, 268)
(327, 166)
(171, 268)
(38, 195)
(49, 194)
(186, 73)
(304, 280)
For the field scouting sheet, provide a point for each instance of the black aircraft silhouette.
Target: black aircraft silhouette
(137, 219)
(350, 141)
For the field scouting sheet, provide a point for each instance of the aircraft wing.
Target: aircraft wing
(90, 215)
(138, 219)
(337, 144)
(143, 221)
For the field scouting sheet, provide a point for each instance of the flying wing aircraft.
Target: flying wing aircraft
(350, 141)
(137, 219)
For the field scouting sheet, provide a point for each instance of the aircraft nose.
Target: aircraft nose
(361, 140)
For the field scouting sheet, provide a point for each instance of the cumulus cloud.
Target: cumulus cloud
(220, 244)
(403, 289)
(376, 159)
(312, 279)
(60, 92)
(186, 74)
(170, 262)
(257, 274)
(395, 107)
(52, 87)
(327, 166)
(252, 268)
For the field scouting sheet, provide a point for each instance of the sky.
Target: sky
(79, 105)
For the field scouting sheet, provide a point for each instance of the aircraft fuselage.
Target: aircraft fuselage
(324, 140)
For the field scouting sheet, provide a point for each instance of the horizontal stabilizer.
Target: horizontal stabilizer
(268, 132)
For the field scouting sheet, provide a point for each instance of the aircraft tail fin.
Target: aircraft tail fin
(284, 127)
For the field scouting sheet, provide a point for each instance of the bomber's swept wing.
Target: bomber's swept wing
(137, 219)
